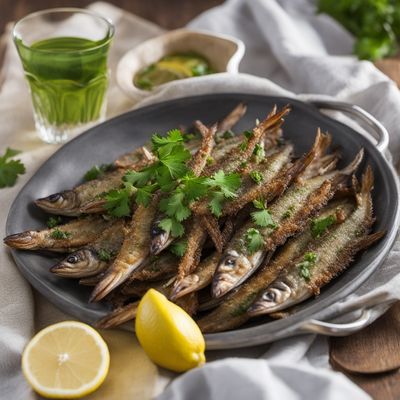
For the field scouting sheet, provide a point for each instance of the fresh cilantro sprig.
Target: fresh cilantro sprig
(262, 218)
(256, 176)
(171, 175)
(10, 169)
(178, 248)
(254, 240)
(309, 260)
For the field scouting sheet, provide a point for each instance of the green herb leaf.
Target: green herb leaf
(263, 219)
(173, 136)
(178, 248)
(144, 194)
(10, 169)
(216, 202)
(171, 225)
(59, 234)
(259, 204)
(320, 225)
(174, 206)
(309, 260)
(259, 152)
(228, 134)
(53, 221)
(227, 184)
(288, 213)
(254, 240)
(96, 171)
(119, 202)
(104, 255)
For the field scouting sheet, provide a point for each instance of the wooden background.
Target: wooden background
(169, 14)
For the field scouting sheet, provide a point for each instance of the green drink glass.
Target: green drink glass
(64, 56)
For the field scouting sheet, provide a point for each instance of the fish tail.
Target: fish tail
(352, 167)
(118, 316)
(111, 280)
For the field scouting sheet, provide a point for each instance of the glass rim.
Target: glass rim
(107, 37)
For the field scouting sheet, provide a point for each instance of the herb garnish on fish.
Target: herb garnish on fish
(96, 171)
(320, 225)
(305, 266)
(59, 234)
(53, 222)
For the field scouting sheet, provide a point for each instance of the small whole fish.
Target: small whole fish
(134, 251)
(323, 259)
(289, 214)
(95, 258)
(197, 280)
(232, 311)
(63, 238)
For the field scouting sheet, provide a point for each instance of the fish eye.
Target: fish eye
(54, 197)
(269, 296)
(230, 261)
(72, 259)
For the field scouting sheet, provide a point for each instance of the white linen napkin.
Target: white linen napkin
(299, 53)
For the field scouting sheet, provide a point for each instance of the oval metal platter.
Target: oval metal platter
(105, 142)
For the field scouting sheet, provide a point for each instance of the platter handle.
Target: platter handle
(378, 131)
(366, 317)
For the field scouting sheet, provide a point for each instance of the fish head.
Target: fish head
(183, 286)
(80, 264)
(63, 203)
(23, 240)
(233, 269)
(274, 298)
(160, 239)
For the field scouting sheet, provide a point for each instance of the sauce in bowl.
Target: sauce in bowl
(170, 68)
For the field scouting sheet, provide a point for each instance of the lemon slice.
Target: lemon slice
(168, 334)
(66, 360)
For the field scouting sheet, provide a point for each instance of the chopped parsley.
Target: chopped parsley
(104, 255)
(262, 217)
(254, 240)
(305, 266)
(288, 213)
(259, 152)
(171, 175)
(96, 171)
(228, 134)
(320, 225)
(59, 234)
(257, 177)
(53, 222)
(244, 305)
(10, 169)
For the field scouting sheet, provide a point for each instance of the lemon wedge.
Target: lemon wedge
(66, 360)
(168, 334)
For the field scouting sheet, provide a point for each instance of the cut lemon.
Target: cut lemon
(66, 360)
(168, 334)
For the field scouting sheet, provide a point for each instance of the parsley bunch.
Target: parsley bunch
(10, 169)
(171, 176)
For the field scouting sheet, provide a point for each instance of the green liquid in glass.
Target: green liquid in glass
(67, 77)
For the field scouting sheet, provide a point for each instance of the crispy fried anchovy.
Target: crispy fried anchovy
(195, 240)
(128, 312)
(162, 239)
(232, 118)
(197, 280)
(138, 158)
(134, 250)
(232, 312)
(163, 266)
(63, 238)
(323, 259)
(96, 257)
(70, 202)
(289, 214)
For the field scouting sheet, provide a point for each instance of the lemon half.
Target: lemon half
(168, 334)
(66, 360)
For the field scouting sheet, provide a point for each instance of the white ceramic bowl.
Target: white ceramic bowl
(224, 54)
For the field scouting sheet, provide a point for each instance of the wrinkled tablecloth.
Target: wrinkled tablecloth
(290, 51)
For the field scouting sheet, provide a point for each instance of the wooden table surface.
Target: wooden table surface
(169, 14)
